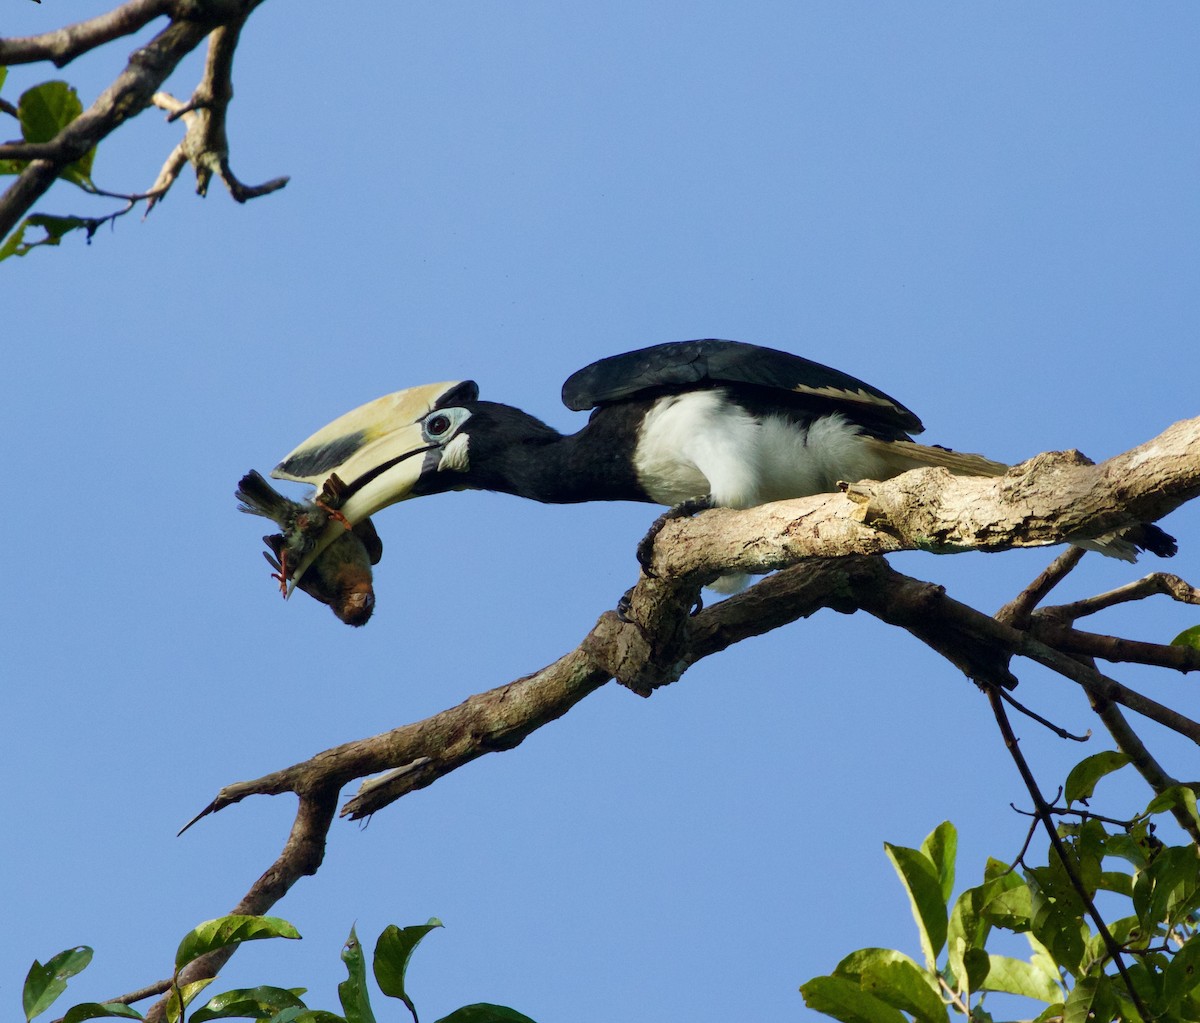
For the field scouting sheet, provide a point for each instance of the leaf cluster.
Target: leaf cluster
(393, 950)
(1142, 966)
(43, 111)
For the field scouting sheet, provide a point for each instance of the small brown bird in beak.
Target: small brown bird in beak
(340, 576)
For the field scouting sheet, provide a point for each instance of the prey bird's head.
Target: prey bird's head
(399, 446)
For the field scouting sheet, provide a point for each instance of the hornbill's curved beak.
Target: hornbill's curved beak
(378, 451)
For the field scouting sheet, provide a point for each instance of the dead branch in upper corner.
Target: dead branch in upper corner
(205, 144)
(135, 89)
(822, 546)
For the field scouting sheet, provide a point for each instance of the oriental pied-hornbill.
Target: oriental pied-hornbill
(721, 422)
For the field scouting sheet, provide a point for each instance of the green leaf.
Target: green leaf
(99, 1010)
(1183, 973)
(43, 984)
(1056, 917)
(1005, 901)
(1127, 930)
(1081, 782)
(1090, 1000)
(965, 931)
(1138, 846)
(55, 228)
(924, 886)
(298, 1015)
(483, 1012)
(905, 986)
(941, 846)
(187, 993)
(976, 963)
(1177, 796)
(1189, 637)
(1175, 873)
(853, 965)
(1002, 900)
(44, 111)
(1017, 977)
(392, 953)
(229, 930)
(356, 1001)
(248, 1003)
(843, 999)
(3, 75)
(1117, 881)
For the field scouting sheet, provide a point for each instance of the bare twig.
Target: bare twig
(1113, 648)
(1062, 733)
(1084, 815)
(1044, 814)
(1017, 611)
(1156, 582)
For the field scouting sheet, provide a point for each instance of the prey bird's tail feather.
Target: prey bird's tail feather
(258, 497)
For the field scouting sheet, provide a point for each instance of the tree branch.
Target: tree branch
(147, 69)
(132, 91)
(1156, 582)
(658, 639)
(206, 144)
(63, 45)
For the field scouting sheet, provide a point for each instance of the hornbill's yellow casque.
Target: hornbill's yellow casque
(727, 423)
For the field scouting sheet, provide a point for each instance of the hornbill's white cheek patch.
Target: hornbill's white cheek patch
(455, 455)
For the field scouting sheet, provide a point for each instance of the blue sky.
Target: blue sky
(987, 210)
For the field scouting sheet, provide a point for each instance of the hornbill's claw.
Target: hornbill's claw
(623, 606)
(683, 510)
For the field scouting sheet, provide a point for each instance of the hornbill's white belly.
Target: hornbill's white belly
(701, 444)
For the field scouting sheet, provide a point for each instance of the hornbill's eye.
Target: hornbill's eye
(442, 422)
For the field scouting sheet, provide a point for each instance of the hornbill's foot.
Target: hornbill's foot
(333, 513)
(623, 606)
(683, 510)
(332, 495)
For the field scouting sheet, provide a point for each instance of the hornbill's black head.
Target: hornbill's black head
(423, 440)
(419, 441)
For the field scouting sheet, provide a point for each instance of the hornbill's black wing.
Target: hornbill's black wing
(686, 365)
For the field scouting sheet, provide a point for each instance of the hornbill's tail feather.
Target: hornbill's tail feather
(904, 455)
